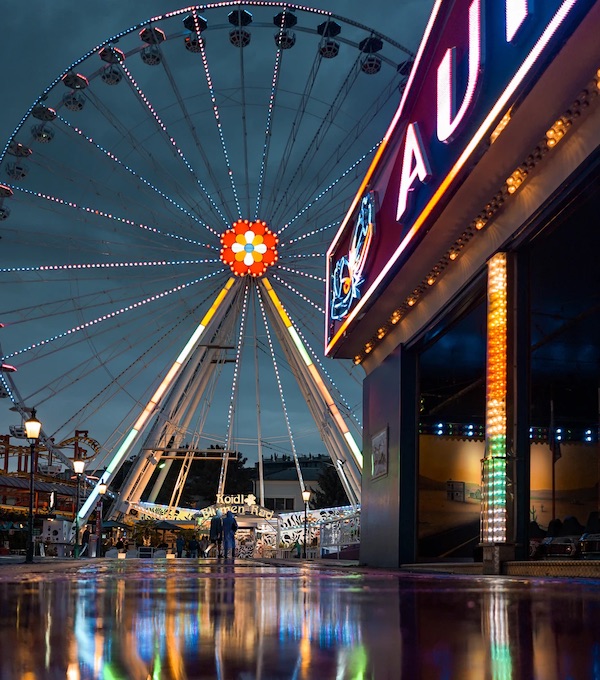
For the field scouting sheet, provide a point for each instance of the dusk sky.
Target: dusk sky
(41, 39)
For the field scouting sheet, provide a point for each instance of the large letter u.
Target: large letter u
(449, 117)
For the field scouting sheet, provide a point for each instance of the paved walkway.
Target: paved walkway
(238, 620)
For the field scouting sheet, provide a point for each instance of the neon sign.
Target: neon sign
(347, 276)
(477, 58)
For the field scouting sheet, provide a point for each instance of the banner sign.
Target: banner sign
(476, 60)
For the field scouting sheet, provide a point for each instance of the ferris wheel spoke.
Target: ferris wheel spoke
(309, 234)
(127, 373)
(111, 315)
(234, 393)
(108, 216)
(315, 331)
(174, 146)
(116, 160)
(217, 115)
(312, 148)
(293, 135)
(105, 265)
(150, 161)
(362, 125)
(243, 106)
(321, 279)
(298, 293)
(199, 146)
(329, 187)
(341, 400)
(280, 390)
(45, 309)
(269, 121)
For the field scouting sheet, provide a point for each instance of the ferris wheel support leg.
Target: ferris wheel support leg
(313, 376)
(162, 475)
(343, 466)
(181, 406)
(332, 438)
(156, 399)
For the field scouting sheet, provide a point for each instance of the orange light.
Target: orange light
(249, 248)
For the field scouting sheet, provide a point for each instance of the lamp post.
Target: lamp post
(32, 430)
(305, 498)
(78, 468)
(102, 489)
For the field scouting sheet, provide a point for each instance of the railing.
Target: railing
(337, 534)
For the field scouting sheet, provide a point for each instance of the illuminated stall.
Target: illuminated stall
(497, 131)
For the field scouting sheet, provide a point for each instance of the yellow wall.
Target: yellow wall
(443, 459)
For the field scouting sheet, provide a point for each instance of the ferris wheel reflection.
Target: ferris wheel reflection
(216, 623)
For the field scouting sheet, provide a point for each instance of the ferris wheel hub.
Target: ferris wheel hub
(249, 248)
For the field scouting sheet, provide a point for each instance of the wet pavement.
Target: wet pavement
(186, 619)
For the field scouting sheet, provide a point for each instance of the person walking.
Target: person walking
(230, 526)
(193, 547)
(180, 545)
(216, 532)
(85, 543)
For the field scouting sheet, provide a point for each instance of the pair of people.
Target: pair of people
(192, 546)
(222, 533)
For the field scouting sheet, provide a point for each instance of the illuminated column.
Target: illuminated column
(494, 510)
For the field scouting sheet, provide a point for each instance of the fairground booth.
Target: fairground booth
(465, 280)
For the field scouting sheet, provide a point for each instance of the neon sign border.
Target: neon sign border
(502, 101)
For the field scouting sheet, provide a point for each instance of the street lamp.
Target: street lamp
(32, 430)
(78, 468)
(305, 498)
(102, 489)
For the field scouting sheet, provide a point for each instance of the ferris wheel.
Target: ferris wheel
(165, 209)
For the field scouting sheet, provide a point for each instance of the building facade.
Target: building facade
(463, 277)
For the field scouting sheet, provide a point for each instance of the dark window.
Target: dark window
(279, 504)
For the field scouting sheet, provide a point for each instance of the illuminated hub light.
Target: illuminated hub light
(249, 248)
(494, 464)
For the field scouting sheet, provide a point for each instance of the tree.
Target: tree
(330, 493)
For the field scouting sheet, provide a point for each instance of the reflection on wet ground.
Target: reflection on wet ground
(188, 619)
